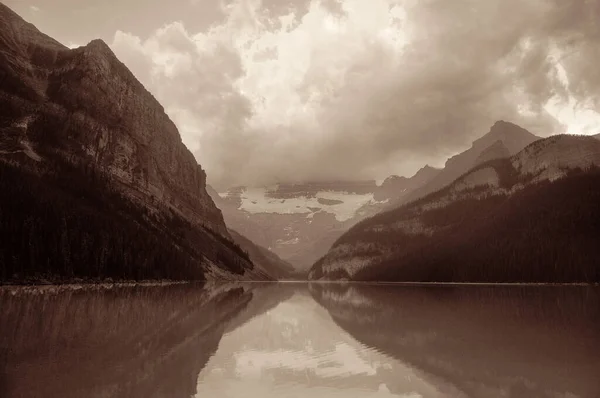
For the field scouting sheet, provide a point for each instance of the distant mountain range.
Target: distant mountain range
(504, 139)
(95, 181)
(300, 222)
(531, 217)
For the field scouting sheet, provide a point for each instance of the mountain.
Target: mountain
(95, 179)
(395, 187)
(299, 222)
(504, 139)
(528, 218)
(264, 260)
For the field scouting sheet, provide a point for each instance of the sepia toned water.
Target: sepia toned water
(300, 340)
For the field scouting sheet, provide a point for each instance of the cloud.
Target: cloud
(301, 90)
(34, 8)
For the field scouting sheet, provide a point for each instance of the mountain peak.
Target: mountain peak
(99, 50)
(501, 123)
(393, 178)
(513, 137)
(99, 45)
(426, 170)
(504, 128)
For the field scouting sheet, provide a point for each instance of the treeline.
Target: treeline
(546, 233)
(67, 222)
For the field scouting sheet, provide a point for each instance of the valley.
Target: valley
(98, 185)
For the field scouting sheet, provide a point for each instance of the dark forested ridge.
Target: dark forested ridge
(267, 261)
(546, 232)
(73, 224)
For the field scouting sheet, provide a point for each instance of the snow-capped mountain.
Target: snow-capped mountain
(299, 222)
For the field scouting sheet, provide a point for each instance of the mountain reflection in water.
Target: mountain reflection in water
(299, 340)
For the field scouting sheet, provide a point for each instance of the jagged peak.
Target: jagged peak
(100, 46)
(393, 177)
(429, 168)
(426, 170)
(503, 123)
(98, 50)
(503, 128)
(513, 136)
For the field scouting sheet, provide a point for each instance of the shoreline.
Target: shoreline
(76, 284)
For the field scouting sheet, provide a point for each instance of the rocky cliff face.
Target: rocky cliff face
(90, 107)
(515, 215)
(93, 163)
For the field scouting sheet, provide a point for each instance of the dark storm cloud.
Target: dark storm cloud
(467, 65)
(298, 90)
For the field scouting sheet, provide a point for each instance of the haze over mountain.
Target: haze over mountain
(300, 222)
(269, 91)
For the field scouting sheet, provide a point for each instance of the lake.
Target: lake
(299, 340)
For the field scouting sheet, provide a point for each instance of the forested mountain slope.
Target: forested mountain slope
(533, 217)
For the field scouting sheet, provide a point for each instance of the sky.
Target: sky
(267, 91)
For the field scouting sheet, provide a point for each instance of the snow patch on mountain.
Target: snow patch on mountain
(343, 205)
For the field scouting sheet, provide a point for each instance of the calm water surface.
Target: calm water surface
(300, 340)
